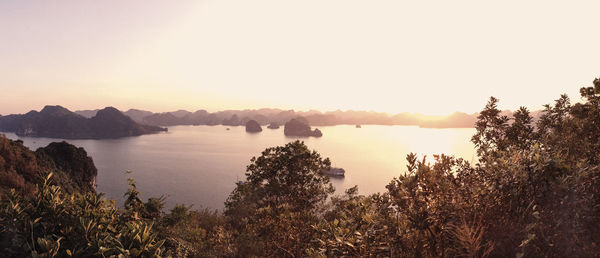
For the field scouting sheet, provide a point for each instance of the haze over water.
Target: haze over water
(200, 165)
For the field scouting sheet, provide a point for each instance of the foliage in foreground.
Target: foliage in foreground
(533, 193)
(53, 223)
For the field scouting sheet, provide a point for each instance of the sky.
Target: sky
(431, 57)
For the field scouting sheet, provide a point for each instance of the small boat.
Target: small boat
(273, 126)
(227, 129)
(334, 172)
(358, 126)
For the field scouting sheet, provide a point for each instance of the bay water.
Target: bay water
(200, 165)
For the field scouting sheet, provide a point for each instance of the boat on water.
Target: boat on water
(334, 172)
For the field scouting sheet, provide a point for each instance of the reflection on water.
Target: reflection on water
(199, 165)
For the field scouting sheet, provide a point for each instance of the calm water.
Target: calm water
(199, 165)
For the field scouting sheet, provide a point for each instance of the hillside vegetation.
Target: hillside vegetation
(532, 193)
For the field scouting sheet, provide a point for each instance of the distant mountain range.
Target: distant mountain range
(266, 116)
(59, 122)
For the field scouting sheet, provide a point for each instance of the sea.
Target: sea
(200, 165)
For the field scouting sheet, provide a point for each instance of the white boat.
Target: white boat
(334, 172)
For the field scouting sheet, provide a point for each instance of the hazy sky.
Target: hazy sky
(432, 57)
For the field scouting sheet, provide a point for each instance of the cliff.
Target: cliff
(21, 168)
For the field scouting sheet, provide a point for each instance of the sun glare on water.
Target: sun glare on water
(427, 142)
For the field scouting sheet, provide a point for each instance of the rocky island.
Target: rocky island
(253, 127)
(299, 127)
(59, 122)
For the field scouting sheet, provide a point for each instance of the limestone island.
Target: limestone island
(299, 127)
(253, 127)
